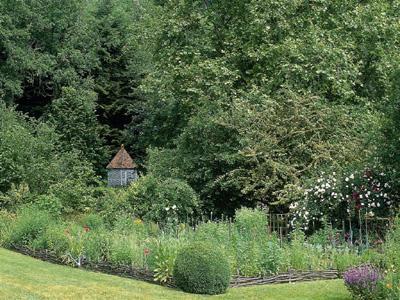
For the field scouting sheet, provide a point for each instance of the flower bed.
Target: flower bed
(148, 276)
(142, 250)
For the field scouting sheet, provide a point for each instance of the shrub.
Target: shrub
(338, 196)
(112, 204)
(362, 281)
(30, 224)
(49, 203)
(17, 196)
(162, 200)
(201, 269)
(75, 195)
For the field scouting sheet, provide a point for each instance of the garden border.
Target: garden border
(148, 276)
(289, 277)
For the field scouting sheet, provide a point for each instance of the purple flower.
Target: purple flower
(362, 281)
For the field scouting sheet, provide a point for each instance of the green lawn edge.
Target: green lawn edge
(23, 277)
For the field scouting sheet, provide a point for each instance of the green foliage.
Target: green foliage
(336, 197)
(77, 237)
(162, 200)
(218, 234)
(54, 239)
(97, 245)
(257, 253)
(389, 287)
(112, 204)
(344, 259)
(28, 153)
(297, 254)
(162, 258)
(326, 237)
(391, 248)
(31, 162)
(73, 116)
(16, 196)
(126, 250)
(49, 203)
(74, 194)
(6, 221)
(29, 225)
(251, 222)
(93, 221)
(201, 269)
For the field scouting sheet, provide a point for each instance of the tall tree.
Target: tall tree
(124, 61)
(293, 66)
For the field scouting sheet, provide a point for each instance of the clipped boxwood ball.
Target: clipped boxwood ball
(202, 269)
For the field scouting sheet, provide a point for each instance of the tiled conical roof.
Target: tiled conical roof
(122, 160)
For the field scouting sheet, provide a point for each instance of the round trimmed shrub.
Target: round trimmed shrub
(202, 269)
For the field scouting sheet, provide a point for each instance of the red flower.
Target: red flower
(146, 251)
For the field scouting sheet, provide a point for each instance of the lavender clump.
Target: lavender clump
(362, 281)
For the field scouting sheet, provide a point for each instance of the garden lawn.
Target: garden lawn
(23, 277)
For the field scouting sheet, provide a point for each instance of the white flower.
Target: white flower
(167, 208)
(174, 206)
(371, 214)
(378, 204)
(352, 176)
(346, 179)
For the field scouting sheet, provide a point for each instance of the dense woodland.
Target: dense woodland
(222, 103)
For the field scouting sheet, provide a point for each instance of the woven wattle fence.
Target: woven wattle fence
(148, 276)
(103, 267)
(293, 276)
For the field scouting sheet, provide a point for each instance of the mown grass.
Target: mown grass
(23, 277)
